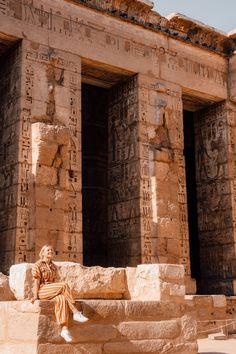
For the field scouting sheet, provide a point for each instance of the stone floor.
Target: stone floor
(209, 346)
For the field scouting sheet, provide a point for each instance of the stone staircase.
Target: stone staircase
(115, 327)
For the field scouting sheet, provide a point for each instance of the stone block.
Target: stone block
(93, 282)
(3, 325)
(70, 349)
(50, 197)
(45, 175)
(5, 292)
(44, 153)
(135, 346)
(186, 348)
(50, 219)
(85, 282)
(130, 273)
(150, 330)
(19, 348)
(157, 282)
(158, 310)
(94, 333)
(22, 326)
(189, 327)
(20, 280)
(50, 133)
(108, 311)
(219, 301)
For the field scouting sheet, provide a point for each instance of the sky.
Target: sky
(220, 14)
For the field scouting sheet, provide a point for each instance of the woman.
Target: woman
(45, 288)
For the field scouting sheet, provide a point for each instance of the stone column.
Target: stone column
(215, 136)
(49, 195)
(232, 156)
(163, 192)
(10, 115)
(124, 234)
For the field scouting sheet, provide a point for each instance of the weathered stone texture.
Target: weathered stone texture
(150, 76)
(109, 330)
(5, 292)
(93, 282)
(161, 282)
(150, 282)
(214, 314)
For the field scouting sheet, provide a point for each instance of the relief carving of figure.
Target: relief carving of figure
(161, 139)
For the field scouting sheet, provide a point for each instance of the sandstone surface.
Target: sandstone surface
(5, 292)
(156, 282)
(114, 327)
(146, 282)
(85, 282)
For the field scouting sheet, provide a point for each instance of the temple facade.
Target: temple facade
(118, 138)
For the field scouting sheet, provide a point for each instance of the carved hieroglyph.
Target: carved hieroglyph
(124, 246)
(165, 225)
(214, 135)
(49, 208)
(10, 187)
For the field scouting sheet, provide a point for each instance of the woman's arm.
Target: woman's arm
(35, 290)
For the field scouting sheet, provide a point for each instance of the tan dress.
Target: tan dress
(49, 290)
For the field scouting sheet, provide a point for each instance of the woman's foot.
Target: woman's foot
(78, 316)
(65, 334)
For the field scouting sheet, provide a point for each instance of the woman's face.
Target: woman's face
(48, 253)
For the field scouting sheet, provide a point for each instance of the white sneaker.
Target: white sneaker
(78, 316)
(65, 333)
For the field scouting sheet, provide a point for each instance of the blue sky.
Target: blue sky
(216, 13)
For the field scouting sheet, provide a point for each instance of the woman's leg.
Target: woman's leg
(50, 291)
(61, 310)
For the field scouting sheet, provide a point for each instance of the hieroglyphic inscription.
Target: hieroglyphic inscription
(23, 211)
(213, 190)
(93, 33)
(162, 129)
(123, 175)
(146, 205)
(183, 218)
(74, 171)
(9, 120)
(61, 75)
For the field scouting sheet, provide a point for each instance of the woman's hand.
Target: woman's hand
(33, 299)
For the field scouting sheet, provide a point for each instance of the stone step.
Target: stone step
(114, 327)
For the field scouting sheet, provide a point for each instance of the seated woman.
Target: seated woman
(45, 288)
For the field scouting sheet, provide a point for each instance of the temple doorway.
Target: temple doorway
(100, 142)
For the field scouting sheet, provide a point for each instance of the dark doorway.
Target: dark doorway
(189, 153)
(94, 173)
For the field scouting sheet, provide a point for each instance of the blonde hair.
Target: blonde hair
(43, 249)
